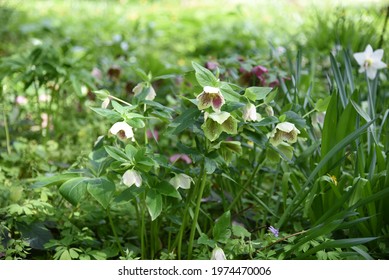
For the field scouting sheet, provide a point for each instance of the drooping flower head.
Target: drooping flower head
(273, 230)
(284, 131)
(218, 254)
(211, 96)
(131, 177)
(138, 89)
(250, 113)
(370, 61)
(122, 130)
(182, 181)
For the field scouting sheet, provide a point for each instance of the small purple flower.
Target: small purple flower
(273, 230)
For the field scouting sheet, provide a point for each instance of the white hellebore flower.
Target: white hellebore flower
(218, 254)
(284, 131)
(370, 61)
(182, 181)
(122, 130)
(138, 89)
(131, 177)
(210, 97)
(250, 113)
(105, 103)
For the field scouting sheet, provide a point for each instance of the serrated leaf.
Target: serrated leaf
(185, 120)
(229, 93)
(54, 180)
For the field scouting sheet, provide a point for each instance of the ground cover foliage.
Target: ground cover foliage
(193, 130)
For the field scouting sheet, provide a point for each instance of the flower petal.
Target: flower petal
(377, 55)
(205, 100)
(219, 117)
(369, 51)
(360, 57)
(182, 181)
(131, 177)
(371, 72)
(379, 65)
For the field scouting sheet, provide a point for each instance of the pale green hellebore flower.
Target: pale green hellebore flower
(211, 96)
(250, 113)
(123, 131)
(131, 177)
(284, 131)
(182, 181)
(370, 61)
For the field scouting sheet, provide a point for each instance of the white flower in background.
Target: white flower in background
(218, 254)
(370, 61)
(210, 96)
(124, 46)
(138, 89)
(284, 131)
(122, 130)
(250, 113)
(182, 181)
(131, 177)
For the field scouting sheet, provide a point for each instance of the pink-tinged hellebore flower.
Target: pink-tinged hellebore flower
(284, 131)
(96, 73)
(182, 157)
(152, 134)
(21, 100)
(182, 181)
(250, 113)
(131, 177)
(218, 254)
(211, 96)
(274, 231)
(123, 131)
(259, 71)
(370, 61)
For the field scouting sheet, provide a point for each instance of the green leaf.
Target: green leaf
(54, 180)
(117, 154)
(74, 189)
(204, 240)
(240, 231)
(222, 228)
(76, 85)
(204, 76)
(322, 104)
(112, 116)
(257, 93)
(228, 92)
(165, 188)
(185, 120)
(154, 203)
(102, 190)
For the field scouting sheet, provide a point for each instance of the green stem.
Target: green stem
(180, 236)
(114, 232)
(37, 103)
(203, 177)
(142, 235)
(261, 161)
(120, 100)
(8, 141)
(380, 44)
